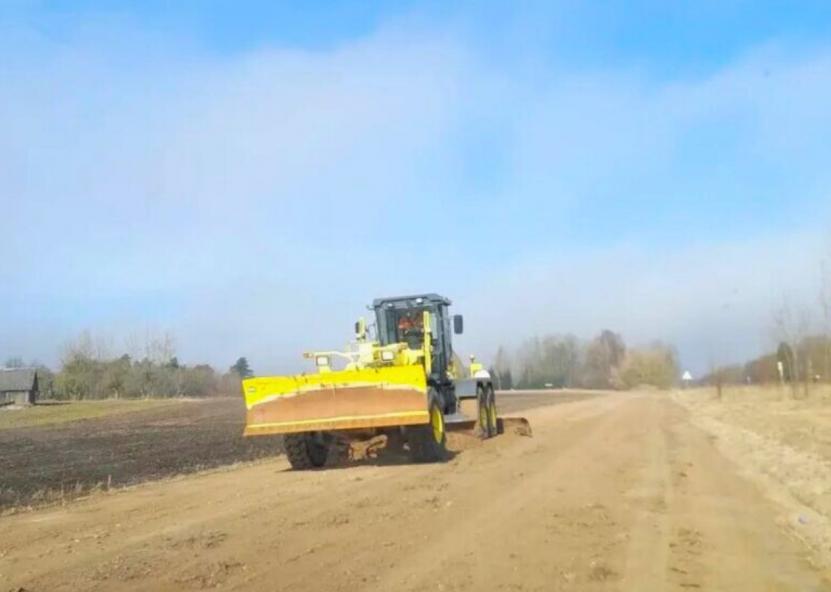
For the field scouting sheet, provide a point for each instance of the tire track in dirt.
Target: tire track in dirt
(651, 495)
(300, 510)
(699, 525)
(515, 509)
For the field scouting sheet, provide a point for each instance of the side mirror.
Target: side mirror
(360, 329)
(458, 324)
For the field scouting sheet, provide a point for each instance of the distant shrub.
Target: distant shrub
(656, 365)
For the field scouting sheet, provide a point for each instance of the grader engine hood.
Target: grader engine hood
(338, 400)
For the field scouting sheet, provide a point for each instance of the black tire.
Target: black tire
(493, 422)
(306, 451)
(428, 443)
(482, 418)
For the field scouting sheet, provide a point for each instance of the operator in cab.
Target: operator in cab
(411, 329)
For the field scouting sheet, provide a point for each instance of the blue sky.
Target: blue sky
(246, 176)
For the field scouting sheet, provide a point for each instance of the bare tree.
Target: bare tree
(83, 347)
(160, 348)
(502, 368)
(791, 329)
(134, 345)
(604, 356)
(14, 362)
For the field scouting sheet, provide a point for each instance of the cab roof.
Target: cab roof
(410, 300)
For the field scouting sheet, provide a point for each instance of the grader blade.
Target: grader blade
(340, 400)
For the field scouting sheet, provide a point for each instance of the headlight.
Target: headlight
(322, 360)
(387, 356)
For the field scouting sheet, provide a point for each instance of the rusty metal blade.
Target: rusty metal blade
(338, 408)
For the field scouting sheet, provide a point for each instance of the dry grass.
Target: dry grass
(781, 442)
(57, 412)
(817, 393)
(803, 423)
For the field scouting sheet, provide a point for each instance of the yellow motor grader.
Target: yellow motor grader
(406, 383)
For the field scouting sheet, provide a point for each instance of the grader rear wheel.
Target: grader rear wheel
(482, 421)
(493, 426)
(482, 413)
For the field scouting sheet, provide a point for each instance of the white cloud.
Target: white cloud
(253, 202)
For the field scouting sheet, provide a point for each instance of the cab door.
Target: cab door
(442, 350)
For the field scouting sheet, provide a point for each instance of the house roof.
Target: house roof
(17, 379)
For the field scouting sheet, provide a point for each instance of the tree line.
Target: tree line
(605, 362)
(807, 360)
(86, 372)
(800, 354)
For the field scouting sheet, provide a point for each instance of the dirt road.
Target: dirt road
(619, 492)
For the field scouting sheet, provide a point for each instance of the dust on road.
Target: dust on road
(619, 492)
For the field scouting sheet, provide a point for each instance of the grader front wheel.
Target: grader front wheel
(306, 450)
(428, 443)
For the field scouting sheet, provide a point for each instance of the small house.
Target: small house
(18, 386)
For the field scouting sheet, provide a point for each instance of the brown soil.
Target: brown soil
(620, 492)
(54, 462)
(42, 464)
